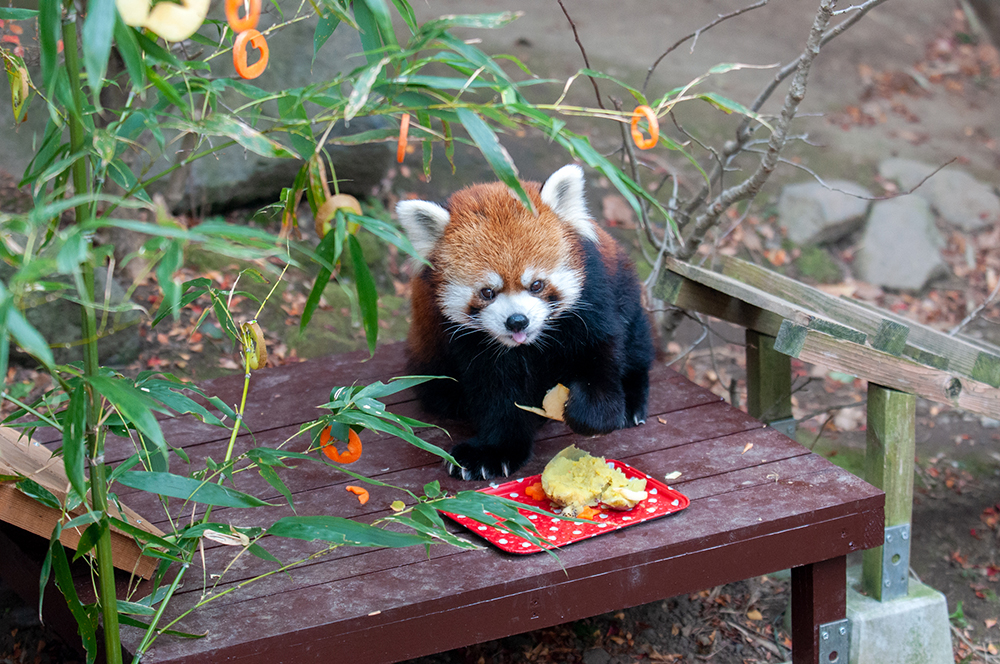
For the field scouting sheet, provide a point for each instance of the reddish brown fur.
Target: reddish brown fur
(492, 231)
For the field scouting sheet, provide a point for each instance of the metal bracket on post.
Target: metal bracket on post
(896, 562)
(785, 426)
(835, 641)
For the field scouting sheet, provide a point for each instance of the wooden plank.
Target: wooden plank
(819, 596)
(972, 358)
(899, 373)
(891, 448)
(760, 298)
(718, 539)
(769, 379)
(687, 294)
(22, 457)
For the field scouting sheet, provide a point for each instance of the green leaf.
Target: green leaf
(324, 29)
(89, 539)
(49, 21)
(85, 620)
(636, 94)
(362, 88)
(262, 553)
(16, 14)
(375, 22)
(34, 490)
(74, 440)
(271, 476)
(338, 530)
(98, 28)
(128, 48)
(23, 332)
(330, 252)
(220, 124)
(186, 488)
(291, 108)
(134, 405)
(497, 157)
(134, 608)
(367, 293)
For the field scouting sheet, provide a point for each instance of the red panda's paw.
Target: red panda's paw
(591, 412)
(479, 462)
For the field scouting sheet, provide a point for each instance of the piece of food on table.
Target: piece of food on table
(574, 479)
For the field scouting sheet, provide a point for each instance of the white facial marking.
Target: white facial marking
(494, 318)
(569, 284)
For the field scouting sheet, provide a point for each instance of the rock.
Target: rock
(900, 248)
(59, 322)
(596, 656)
(957, 197)
(813, 214)
(234, 177)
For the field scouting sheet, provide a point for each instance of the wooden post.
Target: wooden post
(889, 466)
(769, 379)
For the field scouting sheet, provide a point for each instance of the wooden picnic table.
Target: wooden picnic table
(760, 502)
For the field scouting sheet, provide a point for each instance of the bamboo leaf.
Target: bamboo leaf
(367, 293)
(134, 405)
(34, 490)
(186, 488)
(363, 88)
(74, 448)
(324, 29)
(17, 14)
(98, 28)
(338, 530)
(497, 157)
(85, 619)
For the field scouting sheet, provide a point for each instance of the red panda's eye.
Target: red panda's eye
(536, 286)
(487, 293)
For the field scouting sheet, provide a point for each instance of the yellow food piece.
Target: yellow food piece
(574, 480)
(553, 404)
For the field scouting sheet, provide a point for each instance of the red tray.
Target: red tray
(661, 501)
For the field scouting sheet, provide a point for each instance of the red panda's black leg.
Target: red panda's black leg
(500, 447)
(596, 401)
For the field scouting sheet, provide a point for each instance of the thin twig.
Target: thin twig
(975, 312)
(583, 51)
(749, 187)
(694, 35)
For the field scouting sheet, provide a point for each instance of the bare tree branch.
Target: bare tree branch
(586, 60)
(719, 19)
(750, 186)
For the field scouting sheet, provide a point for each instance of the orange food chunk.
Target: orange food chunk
(362, 494)
(535, 491)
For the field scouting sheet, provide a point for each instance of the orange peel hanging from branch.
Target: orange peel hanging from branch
(641, 141)
(249, 21)
(404, 128)
(243, 41)
(353, 452)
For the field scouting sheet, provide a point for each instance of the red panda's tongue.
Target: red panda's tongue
(519, 337)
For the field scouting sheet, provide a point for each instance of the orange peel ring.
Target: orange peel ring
(248, 22)
(641, 141)
(404, 128)
(353, 452)
(240, 54)
(362, 494)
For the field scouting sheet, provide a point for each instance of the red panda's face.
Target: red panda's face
(504, 270)
(498, 267)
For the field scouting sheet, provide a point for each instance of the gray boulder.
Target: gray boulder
(901, 246)
(234, 177)
(957, 197)
(59, 322)
(814, 214)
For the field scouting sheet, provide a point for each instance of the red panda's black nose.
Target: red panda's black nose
(516, 322)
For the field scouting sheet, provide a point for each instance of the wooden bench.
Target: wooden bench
(755, 509)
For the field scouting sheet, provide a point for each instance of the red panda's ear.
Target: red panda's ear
(563, 193)
(423, 222)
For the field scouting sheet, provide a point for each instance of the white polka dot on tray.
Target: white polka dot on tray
(653, 491)
(577, 532)
(626, 518)
(602, 525)
(513, 494)
(502, 540)
(553, 529)
(651, 500)
(675, 502)
(482, 528)
(532, 516)
(556, 520)
(525, 545)
(650, 509)
(552, 538)
(603, 515)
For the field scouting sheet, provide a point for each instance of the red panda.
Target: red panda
(513, 303)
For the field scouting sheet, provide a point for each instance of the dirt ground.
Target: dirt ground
(878, 91)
